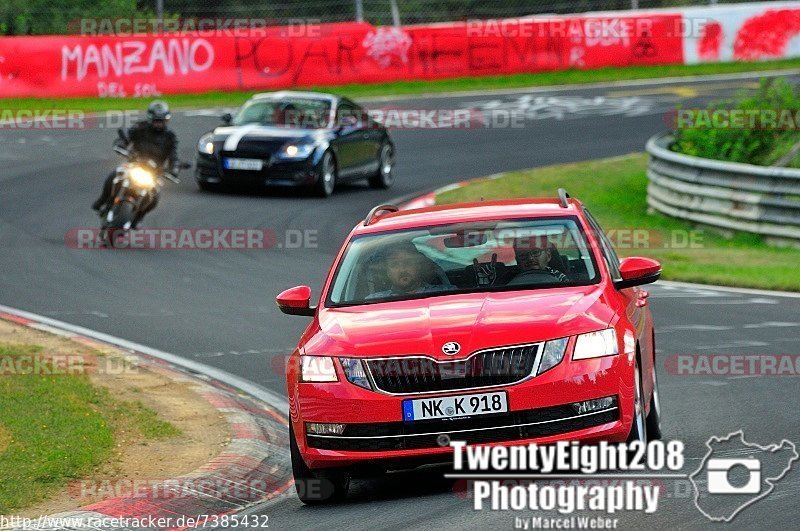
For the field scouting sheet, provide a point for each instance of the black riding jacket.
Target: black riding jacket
(161, 146)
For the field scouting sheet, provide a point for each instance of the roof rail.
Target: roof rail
(562, 198)
(373, 214)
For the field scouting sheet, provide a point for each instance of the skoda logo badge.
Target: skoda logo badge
(451, 348)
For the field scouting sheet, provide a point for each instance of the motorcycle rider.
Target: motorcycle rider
(150, 139)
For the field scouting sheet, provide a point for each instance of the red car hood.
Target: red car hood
(475, 321)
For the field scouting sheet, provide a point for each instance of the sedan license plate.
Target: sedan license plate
(244, 164)
(443, 407)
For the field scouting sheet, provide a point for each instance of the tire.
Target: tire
(384, 177)
(316, 487)
(639, 425)
(654, 417)
(121, 222)
(208, 187)
(327, 176)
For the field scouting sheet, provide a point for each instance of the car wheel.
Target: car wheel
(327, 176)
(639, 425)
(654, 417)
(384, 178)
(316, 487)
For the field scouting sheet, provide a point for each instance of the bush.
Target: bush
(752, 145)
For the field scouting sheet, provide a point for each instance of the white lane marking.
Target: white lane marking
(697, 327)
(771, 324)
(220, 354)
(670, 284)
(741, 343)
(251, 388)
(714, 383)
(215, 112)
(674, 292)
(531, 107)
(756, 300)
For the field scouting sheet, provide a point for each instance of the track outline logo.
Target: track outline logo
(770, 481)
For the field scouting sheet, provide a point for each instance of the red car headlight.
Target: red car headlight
(596, 345)
(317, 369)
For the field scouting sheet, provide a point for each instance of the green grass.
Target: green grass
(615, 192)
(565, 77)
(60, 428)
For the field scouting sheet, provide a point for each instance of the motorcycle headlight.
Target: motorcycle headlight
(553, 354)
(317, 369)
(142, 177)
(206, 144)
(355, 372)
(294, 150)
(596, 345)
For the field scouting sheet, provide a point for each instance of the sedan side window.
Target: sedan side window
(611, 258)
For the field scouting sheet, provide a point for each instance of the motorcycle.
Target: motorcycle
(136, 185)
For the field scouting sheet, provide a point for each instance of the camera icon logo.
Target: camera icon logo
(719, 472)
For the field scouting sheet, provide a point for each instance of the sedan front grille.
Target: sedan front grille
(488, 368)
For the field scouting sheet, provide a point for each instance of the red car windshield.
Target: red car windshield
(483, 256)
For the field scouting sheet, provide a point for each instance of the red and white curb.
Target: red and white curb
(429, 199)
(253, 469)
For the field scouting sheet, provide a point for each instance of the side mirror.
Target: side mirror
(347, 122)
(296, 301)
(226, 118)
(636, 271)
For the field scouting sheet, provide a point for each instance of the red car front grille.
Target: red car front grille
(488, 368)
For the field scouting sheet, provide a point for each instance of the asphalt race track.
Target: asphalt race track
(217, 307)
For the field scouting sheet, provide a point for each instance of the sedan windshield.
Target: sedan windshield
(304, 113)
(483, 256)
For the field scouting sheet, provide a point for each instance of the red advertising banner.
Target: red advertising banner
(150, 65)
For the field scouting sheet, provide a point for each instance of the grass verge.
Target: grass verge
(58, 428)
(564, 77)
(615, 191)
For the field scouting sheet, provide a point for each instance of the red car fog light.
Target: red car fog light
(599, 404)
(320, 428)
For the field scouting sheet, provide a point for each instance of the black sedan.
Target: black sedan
(303, 139)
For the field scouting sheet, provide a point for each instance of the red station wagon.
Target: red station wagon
(498, 322)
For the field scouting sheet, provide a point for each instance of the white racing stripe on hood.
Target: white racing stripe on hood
(232, 142)
(263, 131)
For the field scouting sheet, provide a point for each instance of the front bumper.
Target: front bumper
(540, 410)
(208, 169)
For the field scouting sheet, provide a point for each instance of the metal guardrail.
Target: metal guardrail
(728, 195)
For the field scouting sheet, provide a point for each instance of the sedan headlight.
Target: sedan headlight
(206, 144)
(355, 373)
(317, 369)
(596, 345)
(142, 178)
(553, 354)
(296, 151)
